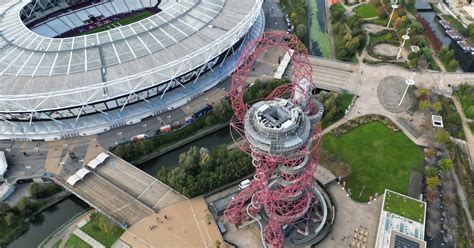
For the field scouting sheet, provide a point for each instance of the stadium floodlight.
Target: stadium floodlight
(394, 7)
(405, 37)
(409, 82)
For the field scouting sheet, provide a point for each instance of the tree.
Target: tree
(442, 137)
(431, 172)
(35, 190)
(10, 218)
(294, 18)
(433, 182)
(423, 92)
(445, 164)
(301, 31)
(4, 209)
(417, 27)
(452, 65)
(424, 105)
(24, 206)
(105, 224)
(337, 12)
(437, 106)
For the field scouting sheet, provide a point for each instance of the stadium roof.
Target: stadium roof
(41, 73)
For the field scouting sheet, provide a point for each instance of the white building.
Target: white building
(397, 225)
(3, 165)
(5, 191)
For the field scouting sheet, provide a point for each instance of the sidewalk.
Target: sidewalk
(88, 239)
(467, 131)
(64, 232)
(462, 198)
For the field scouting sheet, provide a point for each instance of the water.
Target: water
(318, 33)
(171, 159)
(433, 20)
(48, 221)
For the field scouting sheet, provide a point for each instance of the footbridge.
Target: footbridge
(333, 75)
(119, 189)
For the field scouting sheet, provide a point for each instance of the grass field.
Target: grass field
(76, 242)
(56, 245)
(125, 21)
(383, 37)
(379, 159)
(317, 36)
(404, 206)
(92, 228)
(367, 10)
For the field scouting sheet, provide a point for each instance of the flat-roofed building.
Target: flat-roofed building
(402, 222)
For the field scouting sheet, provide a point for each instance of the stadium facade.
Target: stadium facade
(52, 88)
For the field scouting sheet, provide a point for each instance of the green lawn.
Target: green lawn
(465, 94)
(379, 159)
(76, 242)
(316, 35)
(367, 10)
(383, 37)
(404, 206)
(471, 125)
(92, 228)
(56, 245)
(125, 21)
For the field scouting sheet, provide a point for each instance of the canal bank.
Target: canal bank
(180, 143)
(466, 60)
(50, 220)
(171, 158)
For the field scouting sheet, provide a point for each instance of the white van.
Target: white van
(244, 184)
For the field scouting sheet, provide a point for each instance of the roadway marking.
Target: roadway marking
(145, 190)
(162, 198)
(121, 208)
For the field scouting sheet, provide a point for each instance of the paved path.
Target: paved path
(467, 131)
(462, 197)
(88, 239)
(65, 231)
(351, 215)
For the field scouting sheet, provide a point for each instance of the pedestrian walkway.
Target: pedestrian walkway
(467, 131)
(463, 200)
(88, 239)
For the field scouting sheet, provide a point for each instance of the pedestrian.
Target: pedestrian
(26, 154)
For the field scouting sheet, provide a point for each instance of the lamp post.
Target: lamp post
(405, 37)
(409, 82)
(394, 7)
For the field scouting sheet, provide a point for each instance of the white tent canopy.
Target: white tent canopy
(98, 160)
(82, 173)
(73, 179)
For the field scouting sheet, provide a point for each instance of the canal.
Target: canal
(466, 61)
(49, 221)
(171, 158)
(318, 32)
(55, 216)
(433, 21)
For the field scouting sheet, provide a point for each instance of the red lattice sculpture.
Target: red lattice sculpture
(281, 204)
